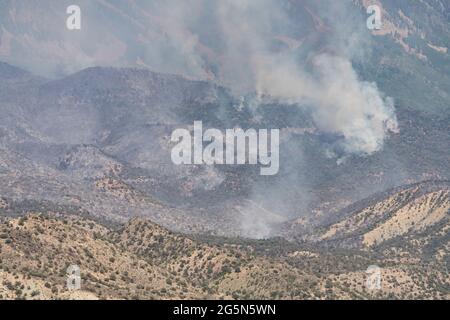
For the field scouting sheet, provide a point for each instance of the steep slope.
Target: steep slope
(140, 260)
(417, 215)
(100, 138)
(103, 136)
(36, 252)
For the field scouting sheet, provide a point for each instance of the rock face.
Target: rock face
(393, 218)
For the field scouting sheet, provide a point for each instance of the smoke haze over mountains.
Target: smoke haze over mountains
(343, 97)
(248, 46)
(224, 149)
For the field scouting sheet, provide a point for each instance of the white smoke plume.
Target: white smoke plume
(296, 52)
(340, 102)
(246, 45)
(247, 60)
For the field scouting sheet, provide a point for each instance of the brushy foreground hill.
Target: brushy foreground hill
(405, 233)
(96, 138)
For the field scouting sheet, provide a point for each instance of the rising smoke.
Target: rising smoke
(248, 46)
(254, 51)
(297, 52)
